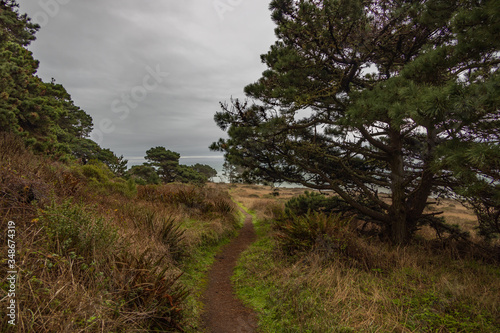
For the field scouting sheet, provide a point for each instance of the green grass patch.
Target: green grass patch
(249, 211)
(404, 290)
(196, 267)
(195, 279)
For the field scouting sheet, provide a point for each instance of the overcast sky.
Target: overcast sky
(151, 72)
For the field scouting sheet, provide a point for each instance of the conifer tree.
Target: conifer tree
(43, 113)
(362, 97)
(166, 164)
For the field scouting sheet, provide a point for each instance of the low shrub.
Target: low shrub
(71, 227)
(316, 202)
(98, 171)
(313, 232)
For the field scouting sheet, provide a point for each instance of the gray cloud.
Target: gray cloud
(103, 51)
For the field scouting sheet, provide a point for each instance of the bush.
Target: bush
(102, 181)
(316, 202)
(126, 188)
(313, 232)
(99, 171)
(72, 228)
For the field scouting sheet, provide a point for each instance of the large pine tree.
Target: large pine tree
(362, 96)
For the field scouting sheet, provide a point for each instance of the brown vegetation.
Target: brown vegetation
(319, 274)
(96, 253)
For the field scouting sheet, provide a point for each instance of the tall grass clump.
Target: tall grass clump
(312, 232)
(167, 230)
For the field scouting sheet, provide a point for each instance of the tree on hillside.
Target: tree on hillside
(166, 164)
(15, 27)
(117, 164)
(42, 113)
(144, 174)
(188, 174)
(165, 161)
(85, 150)
(361, 96)
(205, 170)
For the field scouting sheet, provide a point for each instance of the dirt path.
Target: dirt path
(224, 313)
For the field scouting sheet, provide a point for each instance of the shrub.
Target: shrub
(126, 188)
(98, 171)
(316, 202)
(312, 232)
(72, 228)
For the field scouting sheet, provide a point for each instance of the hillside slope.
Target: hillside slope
(96, 253)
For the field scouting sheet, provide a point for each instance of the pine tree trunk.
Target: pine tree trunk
(399, 231)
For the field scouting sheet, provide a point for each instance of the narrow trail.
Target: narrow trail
(224, 313)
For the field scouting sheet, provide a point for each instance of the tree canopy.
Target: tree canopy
(362, 97)
(163, 166)
(205, 170)
(43, 113)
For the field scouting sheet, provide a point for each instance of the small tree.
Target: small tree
(166, 163)
(144, 174)
(205, 170)
(117, 164)
(188, 174)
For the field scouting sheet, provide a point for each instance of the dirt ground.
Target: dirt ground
(224, 313)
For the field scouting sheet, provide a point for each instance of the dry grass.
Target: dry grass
(259, 198)
(93, 255)
(367, 286)
(412, 296)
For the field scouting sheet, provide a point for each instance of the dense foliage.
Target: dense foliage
(41, 112)
(163, 166)
(369, 96)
